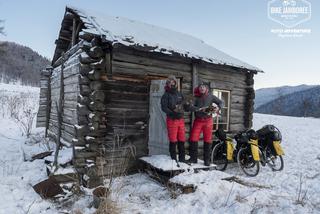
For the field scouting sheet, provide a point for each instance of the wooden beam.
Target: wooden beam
(49, 69)
(74, 29)
(194, 83)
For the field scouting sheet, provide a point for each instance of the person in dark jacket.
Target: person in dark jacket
(204, 105)
(171, 104)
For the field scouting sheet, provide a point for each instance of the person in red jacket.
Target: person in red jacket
(204, 105)
(171, 104)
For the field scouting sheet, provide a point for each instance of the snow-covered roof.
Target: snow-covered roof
(129, 32)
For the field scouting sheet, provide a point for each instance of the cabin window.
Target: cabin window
(223, 120)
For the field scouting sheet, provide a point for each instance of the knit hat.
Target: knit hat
(170, 78)
(168, 83)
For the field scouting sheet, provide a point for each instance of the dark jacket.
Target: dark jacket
(169, 100)
(203, 100)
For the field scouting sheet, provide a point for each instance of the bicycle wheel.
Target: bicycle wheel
(219, 156)
(276, 163)
(246, 162)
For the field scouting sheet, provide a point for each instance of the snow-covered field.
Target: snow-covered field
(17, 175)
(302, 168)
(139, 194)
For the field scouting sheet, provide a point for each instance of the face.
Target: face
(203, 89)
(172, 83)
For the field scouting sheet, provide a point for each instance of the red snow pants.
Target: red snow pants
(204, 125)
(176, 130)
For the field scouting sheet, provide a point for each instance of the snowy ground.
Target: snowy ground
(17, 175)
(140, 194)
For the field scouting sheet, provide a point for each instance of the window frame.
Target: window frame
(216, 120)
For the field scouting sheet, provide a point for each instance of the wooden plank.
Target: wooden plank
(120, 86)
(130, 54)
(142, 70)
(70, 52)
(126, 113)
(233, 77)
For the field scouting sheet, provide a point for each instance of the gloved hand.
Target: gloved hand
(179, 109)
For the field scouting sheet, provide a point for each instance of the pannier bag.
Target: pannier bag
(229, 150)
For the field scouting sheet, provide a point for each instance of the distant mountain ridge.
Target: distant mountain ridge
(20, 64)
(266, 95)
(304, 103)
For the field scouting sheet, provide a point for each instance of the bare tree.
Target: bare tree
(25, 120)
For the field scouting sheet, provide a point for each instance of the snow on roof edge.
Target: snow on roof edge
(130, 32)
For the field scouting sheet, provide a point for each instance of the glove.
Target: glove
(178, 109)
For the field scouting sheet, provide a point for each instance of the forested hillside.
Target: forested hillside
(20, 64)
(299, 104)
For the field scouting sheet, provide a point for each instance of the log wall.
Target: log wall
(70, 68)
(145, 66)
(235, 81)
(44, 102)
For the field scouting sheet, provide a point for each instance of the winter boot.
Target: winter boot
(173, 150)
(193, 152)
(181, 152)
(206, 153)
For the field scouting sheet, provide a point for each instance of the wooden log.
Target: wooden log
(86, 46)
(119, 86)
(98, 125)
(86, 36)
(70, 104)
(97, 117)
(130, 55)
(237, 127)
(236, 113)
(133, 104)
(142, 70)
(96, 41)
(97, 106)
(85, 154)
(83, 110)
(83, 100)
(85, 69)
(232, 77)
(126, 113)
(96, 52)
(82, 120)
(99, 65)
(96, 75)
(108, 65)
(236, 119)
(239, 106)
(98, 96)
(69, 120)
(113, 95)
(70, 96)
(85, 90)
(82, 130)
(72, 88)
(83, 80)
(84, 58)
(69, 53)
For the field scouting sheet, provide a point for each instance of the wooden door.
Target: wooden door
(158, 137)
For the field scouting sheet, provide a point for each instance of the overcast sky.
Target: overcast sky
(239, 28)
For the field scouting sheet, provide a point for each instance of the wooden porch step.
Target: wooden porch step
(162, 168)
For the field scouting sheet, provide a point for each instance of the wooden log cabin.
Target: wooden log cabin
(106, 80)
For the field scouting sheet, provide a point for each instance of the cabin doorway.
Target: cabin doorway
(158, 135)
